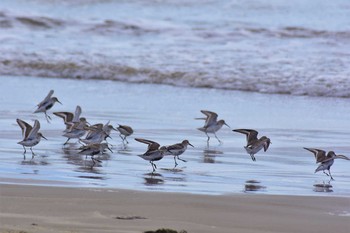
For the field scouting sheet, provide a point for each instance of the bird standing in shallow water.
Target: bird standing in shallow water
(254, 145)
(326, 161)
(77, 130)
(177, 149)
(47, 104)
(94, 149)
(31, 135)
(153, 153)
(126, 131)
(211, 125)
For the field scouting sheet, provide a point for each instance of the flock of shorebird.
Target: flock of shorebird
(95, 140)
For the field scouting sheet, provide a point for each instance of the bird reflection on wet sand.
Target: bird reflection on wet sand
(153, 178)
(210, 155)
(253, 186)
(323, 187)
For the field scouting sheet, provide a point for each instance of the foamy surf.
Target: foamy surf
(252, 46)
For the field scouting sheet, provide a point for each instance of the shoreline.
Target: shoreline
(56, 209)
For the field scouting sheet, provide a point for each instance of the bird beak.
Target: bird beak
(227, 125)
(59, 102)
(43, 137)
(190, 144)
(342, 157)
(109, 149)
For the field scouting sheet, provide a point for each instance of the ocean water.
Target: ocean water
(292, 47)
(166, 114)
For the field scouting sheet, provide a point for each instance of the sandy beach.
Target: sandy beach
(52, 209)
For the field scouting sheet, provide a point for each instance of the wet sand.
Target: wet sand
(52, 209)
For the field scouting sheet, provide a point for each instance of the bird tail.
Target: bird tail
(202, 129)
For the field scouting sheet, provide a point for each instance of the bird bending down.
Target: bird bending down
(211, 125)
(153, 153)
(254, 145)
(97, 133)
(94, 149)
(177, 149)
(77, 130)
(326, 161)
(31, 135)
(47, 104)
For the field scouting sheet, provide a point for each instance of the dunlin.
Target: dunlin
(153, 153)
(126, 131)
(94, 149)
(77, 130)
(31, 135)
(254, 145)
(69, 118)
(97, 133)
(326, 161)
(47, 104)
(177, 149)
(211, 125)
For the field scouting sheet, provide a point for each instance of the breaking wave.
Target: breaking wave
(274, 83)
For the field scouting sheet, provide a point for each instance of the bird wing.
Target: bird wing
(151, 144)
(66, 116)
(211, 117)
(26, 128)
(77, 114)
(337, 157)
(46, 98)
(35, 129)
(252, 135)
(320, 155)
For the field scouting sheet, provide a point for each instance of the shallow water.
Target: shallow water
(166, 114)
(279, 46)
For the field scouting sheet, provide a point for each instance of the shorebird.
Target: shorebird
(177, 149)
(97, 133)
(77, 130)
(47, 104)
(254, 145)
(31, 135)
(94, 149)
(69, 118)
(326, 161)
(153, 153)
(125, 131)
(211, 125)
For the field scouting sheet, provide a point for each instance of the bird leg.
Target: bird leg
(153, 166)
(32, 153)
(126, 140)
(120, 135)
(66, 141)
(24, 151)
(181, 159)
(325, 172)
(253, 157)
(329, 171)
(217, 138)
(48, 118)
(208, 137)
(175, 161)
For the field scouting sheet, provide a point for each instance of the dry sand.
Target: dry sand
(56, 209)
